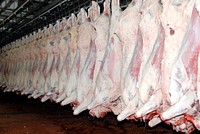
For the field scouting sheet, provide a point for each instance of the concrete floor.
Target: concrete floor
(20, 115)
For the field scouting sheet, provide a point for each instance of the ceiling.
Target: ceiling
(21, 17)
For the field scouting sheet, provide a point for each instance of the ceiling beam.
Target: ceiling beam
(6, 9)
(6, 6)
(3, 15)
(11, 10)
(51, 10)
(38, 2)
(25, 17)
(39, 13)
(1, 1)
(15, 12)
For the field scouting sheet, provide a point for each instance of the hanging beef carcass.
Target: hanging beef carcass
(172, 89)
(131, 48)
(84, 42)
(51, 85)
(45, 83)
(15, 63)
(2, 64)
(68, 60)
(6, 69)
(65, 59)
(147, 69)
(72, 61)
(70, 94)
(35, 66)
(31, 70)
(59, 56)
(174, 36)
(87, 63)
(149, 83)
(97, 51)
(10, 64)
(183, 84)
(108, 81)
(101, 24)
(1, 67)
(61, 66)
(39, 77)
(34, 69)
(27, 66)
(21, 68)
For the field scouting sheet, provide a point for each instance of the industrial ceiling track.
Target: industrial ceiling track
(21, 17)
